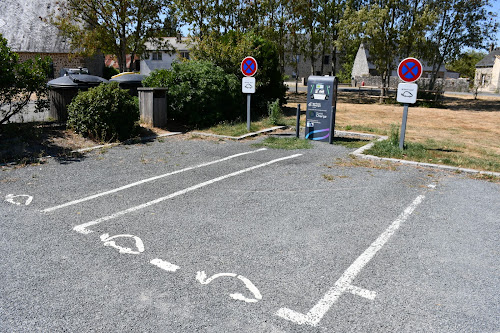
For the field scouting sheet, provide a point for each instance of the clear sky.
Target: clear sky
(496, 9)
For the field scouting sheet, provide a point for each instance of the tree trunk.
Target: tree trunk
(334, 61)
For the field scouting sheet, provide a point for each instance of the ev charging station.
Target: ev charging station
(321, 108)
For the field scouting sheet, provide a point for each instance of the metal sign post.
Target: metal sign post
(248, 112)
(248, 68)
(403, 127)
(409, 70)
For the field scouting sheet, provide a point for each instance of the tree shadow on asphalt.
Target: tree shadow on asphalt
(31, 143)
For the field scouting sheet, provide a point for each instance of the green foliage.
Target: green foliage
(21, 81)
(465, 64)
(200, 94)
(275, 113)
(394, 135)
(109, 71)
(228, 51)
(104, 113)
(431, 151)
(234, 129)
(121, 28)
(391, 30)
(458, 24)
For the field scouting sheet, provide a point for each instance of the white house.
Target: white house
(176, 49)
(488, 71)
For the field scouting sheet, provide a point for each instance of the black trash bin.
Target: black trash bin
(129, 81)
(63, 89)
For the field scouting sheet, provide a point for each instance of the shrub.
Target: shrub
(199, 93)
(104, 113)
(275, 113)
(228, 51)
(20, 82)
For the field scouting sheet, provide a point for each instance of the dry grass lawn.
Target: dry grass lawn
(467, 126)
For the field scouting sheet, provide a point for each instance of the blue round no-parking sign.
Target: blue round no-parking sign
(410, 70)
(249, 66)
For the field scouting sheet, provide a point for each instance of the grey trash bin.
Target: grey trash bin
(129, 81)
(153, 106)
(63, 89)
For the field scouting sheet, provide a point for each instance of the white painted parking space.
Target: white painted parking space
(263, 243)
(144, 181)
(83, 228)
(344, 283)
(317, 312)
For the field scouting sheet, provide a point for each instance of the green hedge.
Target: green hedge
(199, 93)
(104, 113)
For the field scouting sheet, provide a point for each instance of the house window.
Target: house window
(156, 56)
(185, 55)
(326, 59)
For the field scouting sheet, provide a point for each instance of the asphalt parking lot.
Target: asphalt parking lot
(221, 236)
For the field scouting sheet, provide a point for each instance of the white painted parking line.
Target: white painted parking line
(82, 228)
(202, 278)
(165, 265)
(343, 284)
(10, 198)
(74, 202)
(108, 241)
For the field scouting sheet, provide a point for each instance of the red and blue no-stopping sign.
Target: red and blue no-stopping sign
(249, 66)
(410, 70)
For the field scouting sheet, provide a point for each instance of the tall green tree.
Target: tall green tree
(118, 27)
(391, 29)
(228, 51)
(459, 24)
(465, 64)
(20, 82)
(308, 17)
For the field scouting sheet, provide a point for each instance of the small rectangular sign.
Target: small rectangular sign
(248, 85)
(407, 93)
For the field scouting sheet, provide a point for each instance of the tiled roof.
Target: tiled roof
(489, 60)
(22, 25)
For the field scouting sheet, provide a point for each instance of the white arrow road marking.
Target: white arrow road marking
(74, 202)
(82, 228)
(165, 265)
(108, 241)
(202, 278)
(10, 198)
(343, 284)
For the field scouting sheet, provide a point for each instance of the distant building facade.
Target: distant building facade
(322, 65)
(488, 72)
(176, 49)
(364, 67)
(21, 23)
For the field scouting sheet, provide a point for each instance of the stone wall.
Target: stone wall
(65, 60)
(457, 85)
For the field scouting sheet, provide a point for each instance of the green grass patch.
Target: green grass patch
(432, 151)
(284, 143)
(235, 128)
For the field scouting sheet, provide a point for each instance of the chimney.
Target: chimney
(178, 38)
(492, 47)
